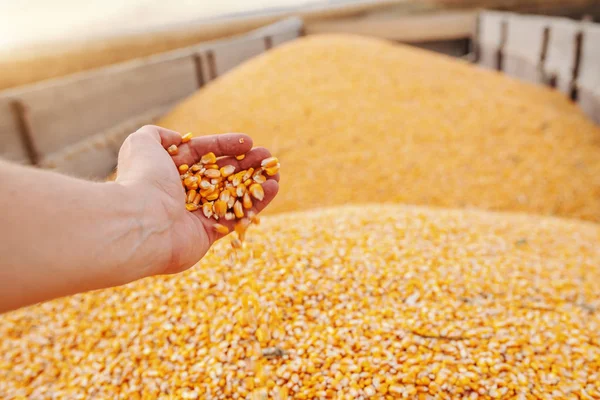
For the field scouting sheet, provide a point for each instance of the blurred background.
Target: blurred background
(56, 58)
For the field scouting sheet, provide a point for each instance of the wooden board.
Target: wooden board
(560, 59)
(524, 47)
(489, 38)
(68, 118)
(426, 27)
(65, 112)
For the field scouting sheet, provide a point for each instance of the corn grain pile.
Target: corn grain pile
(352, 302)
(399, 124)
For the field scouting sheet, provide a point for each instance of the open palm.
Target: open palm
(189, 235)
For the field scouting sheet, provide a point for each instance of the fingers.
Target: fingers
(270, 187)
(228, 144)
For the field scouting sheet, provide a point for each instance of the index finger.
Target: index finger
(226, 144)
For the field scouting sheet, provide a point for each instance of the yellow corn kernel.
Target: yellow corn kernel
(207, 209)
(269, 162)
(241, 226)
(238, 209)
(191, 182)
(212, 173)
(246, 201)
(197, 199)
(208, 158)
(222, 229)
(211, 166)
(191, 206)
(191, 195)
(225, 195)
(240, 190)
(240, 157)
(257, 191)
(258, 177)
(229, 216)
(195, 168)
(227, 170)
(238, 178)
(213, 196)
(183, 168)
(220, 208)
(205, 184)
(248, 174)
(187, 137)
(207, 192)
(272, 170)
(172, 150)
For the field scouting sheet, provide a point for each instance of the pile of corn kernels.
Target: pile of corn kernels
(399, 124)
(380, 302)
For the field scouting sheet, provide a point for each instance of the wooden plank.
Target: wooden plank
(95, 157)
(490, 37)
(63, 114)
(236, 52)
(589, 101)
(589, 75)
(426, 27)
(560, 59)
(11, 143)
(524, 47)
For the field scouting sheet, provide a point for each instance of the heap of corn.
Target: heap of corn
(354, 118)
(348, 303)
(372, 301)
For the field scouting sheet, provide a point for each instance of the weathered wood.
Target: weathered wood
(490, 37)
(560, 59)
(96, 156)
(236, 52)
(62, 113)
(523, 52)
(426, 27)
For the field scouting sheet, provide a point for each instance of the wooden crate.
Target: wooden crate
(76, 124)
(554, 51)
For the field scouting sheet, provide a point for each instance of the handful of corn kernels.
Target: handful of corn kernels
(224, 192)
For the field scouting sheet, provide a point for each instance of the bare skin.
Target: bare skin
(61, 235)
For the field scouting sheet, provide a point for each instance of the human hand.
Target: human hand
(151, 176)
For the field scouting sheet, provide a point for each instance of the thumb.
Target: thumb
(143, 154)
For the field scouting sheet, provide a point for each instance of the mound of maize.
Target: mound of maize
(399, 124)
(357, 302)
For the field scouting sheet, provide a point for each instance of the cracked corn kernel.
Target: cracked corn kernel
(455, 135)
(394, 300)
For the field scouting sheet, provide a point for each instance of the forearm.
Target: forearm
(64, 235)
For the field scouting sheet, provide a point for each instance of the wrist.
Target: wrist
(141, 243)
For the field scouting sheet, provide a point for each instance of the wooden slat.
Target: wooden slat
(11, 143)
(589, 75)
(65, 113)
(236, 52)
(589, 101)
(490, 37)
(561, 51)
(96, 156)
(427, 27)
(524, 47)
